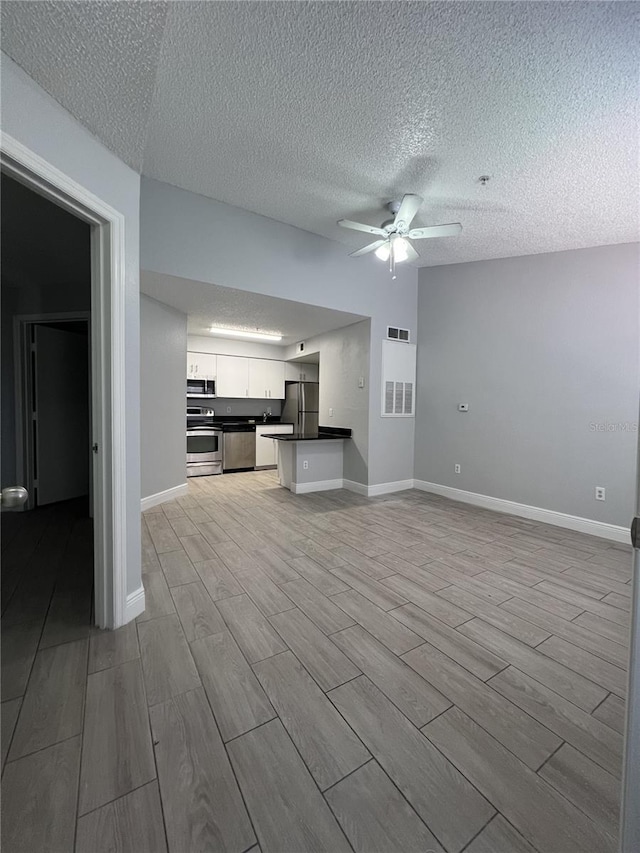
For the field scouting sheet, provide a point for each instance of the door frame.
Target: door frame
(630, 799)
(107, 371)
(22, 327)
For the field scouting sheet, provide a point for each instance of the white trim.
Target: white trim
(108, 359)
(546, 516)
(354, 486)
(387, 488)
(135, 604)
(318, 486)
(378, 488)
(167, 495)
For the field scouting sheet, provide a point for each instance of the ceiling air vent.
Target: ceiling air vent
(395, 334)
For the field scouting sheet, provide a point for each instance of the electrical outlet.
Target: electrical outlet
(601, 493)
(268, 410)
(457, 468)
(228, 410)
(330, 413)
(361, 382)
(305, 465)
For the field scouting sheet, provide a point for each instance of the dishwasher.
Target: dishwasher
(238, 446)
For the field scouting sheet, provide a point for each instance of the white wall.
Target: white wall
(190, 236)
(42, 125)
(163, 341)
(344, 357)
(543, 348)
(227, 346)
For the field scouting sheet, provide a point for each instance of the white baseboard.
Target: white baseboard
(546, 516)
(387, 488)
(160, 497)
(318, 486)
(378, 489)
(135, 605)
(354, 486)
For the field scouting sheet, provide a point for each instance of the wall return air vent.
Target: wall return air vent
(395, 334)
(398, 380)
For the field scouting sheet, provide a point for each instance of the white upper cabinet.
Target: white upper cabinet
(233, 376)
(240, 376)
(201, 365)
(296, 371)
(266, 379)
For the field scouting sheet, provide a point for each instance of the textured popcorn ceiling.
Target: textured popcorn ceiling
(309, 112)
(98, 60)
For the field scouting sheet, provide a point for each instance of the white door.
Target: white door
(630, 822)
(61, 374)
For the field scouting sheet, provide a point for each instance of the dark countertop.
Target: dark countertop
(323, 434)
(220, 420)
(230, 421)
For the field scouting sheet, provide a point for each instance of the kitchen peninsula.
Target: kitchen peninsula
(311, 462)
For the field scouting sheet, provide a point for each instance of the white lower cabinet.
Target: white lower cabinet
(266, 448)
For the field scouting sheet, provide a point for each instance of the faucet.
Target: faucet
(264, 417)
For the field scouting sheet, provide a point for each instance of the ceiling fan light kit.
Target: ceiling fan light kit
(394, 236)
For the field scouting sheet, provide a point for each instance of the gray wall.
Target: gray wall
(245, 408)
(187, 235)
(344, 357)
(163, 344)
(544, 348)
(42, 125)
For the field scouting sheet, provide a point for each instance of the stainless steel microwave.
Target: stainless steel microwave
(201, 387)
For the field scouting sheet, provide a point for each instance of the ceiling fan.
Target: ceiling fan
(395, 234)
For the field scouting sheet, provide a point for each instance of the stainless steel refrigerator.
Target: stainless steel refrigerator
(301, 407)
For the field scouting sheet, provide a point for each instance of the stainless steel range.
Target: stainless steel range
(204, 443)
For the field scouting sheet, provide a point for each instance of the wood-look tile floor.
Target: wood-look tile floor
(319, 672)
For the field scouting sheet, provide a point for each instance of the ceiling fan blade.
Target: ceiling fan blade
(435, 231)
(412, 255)
(408, 209)
(370, 248)
(359, 226)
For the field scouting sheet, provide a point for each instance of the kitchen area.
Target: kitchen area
(235, 382)
(239, 408)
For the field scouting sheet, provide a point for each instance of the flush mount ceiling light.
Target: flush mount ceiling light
(396, 234)
(241, 333)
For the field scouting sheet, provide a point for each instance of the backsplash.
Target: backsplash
(242, 407)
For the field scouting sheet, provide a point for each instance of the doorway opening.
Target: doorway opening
(106, 310)
(48, 543)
